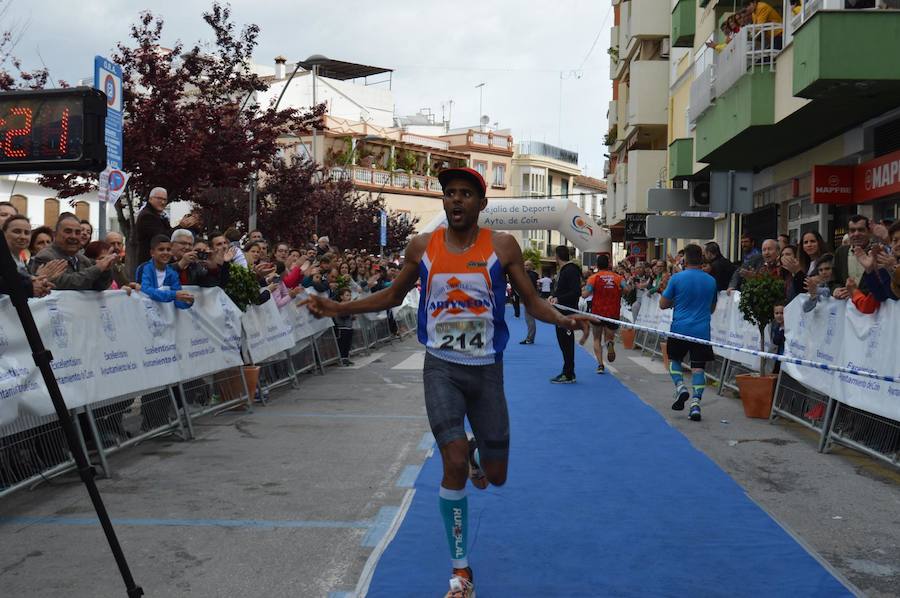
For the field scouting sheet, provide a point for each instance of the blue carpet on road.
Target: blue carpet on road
(604, 498)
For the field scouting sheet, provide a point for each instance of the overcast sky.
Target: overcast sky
(439, 51)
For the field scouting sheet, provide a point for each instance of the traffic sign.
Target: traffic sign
(108, 79)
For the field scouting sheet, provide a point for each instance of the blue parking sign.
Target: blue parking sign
(108, 79)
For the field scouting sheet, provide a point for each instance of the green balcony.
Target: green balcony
(684, 19)
(733, 129)
(848, 53)
(681, 159)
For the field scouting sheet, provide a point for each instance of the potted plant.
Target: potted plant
(759, 294)
(243, 289)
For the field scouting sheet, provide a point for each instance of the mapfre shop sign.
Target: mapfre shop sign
(832, 184)
(857, 184)
(877, 178)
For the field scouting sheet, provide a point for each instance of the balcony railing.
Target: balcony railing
(703, 92)
(536, 148)
(361, 175)
(751, 50)
(425, 141)
(807, 10)
(500, 142)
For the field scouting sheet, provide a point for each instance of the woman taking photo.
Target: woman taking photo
(793, 272)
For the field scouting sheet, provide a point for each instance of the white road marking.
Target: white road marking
(416, 361)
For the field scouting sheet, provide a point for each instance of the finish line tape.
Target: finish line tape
(774, 356)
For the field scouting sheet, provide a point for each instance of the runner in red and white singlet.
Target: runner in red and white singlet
(606, 287)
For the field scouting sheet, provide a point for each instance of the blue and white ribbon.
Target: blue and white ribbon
(774, 356)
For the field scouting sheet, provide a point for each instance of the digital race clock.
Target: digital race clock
(56, 130)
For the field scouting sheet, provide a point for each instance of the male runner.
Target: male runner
(463, 270)
(693, 294)
(606, 287)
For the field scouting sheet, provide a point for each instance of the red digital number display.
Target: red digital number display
(52, 130)
(40, 129)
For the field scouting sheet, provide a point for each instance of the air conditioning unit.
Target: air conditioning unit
(665, 47)
(700, 195)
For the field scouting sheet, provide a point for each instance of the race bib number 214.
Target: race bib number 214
(466, 336)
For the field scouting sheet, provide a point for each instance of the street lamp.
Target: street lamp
(480, 88)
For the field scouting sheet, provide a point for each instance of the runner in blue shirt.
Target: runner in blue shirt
(692, 293)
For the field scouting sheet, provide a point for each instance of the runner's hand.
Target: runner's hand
(575, 322)
(321, 307)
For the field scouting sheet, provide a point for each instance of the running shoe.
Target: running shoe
(601, 369)
(461, 585)
(682, 394)
(610, 351)
(476, 474)
(694, 412)
(563, 379)
(526, 342)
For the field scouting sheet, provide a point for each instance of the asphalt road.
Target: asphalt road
(297, 497)
(289, 500)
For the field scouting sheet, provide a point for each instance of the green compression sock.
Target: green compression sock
(455, 513)
(698, 380)
(675, 372)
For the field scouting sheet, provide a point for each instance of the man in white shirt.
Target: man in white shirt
(545, 284)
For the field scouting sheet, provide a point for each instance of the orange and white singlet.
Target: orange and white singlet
(463, 299)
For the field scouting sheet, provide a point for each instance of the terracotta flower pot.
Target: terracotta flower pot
(757, 393)
(251, 375)
(628, 338)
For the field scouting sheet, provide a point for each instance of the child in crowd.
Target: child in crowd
(776, 332)
(343, 326)
(821, 284)
(159, 280)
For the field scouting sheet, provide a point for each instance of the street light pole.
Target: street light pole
(480, 88)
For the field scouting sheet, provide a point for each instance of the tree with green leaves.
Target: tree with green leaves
(759, 294)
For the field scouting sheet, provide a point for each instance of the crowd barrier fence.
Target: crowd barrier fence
(843, 409)
(201, 370)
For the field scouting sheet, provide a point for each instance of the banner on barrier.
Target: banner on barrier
(836, 333)
(727, 326)
(110, 344)
(266, 332)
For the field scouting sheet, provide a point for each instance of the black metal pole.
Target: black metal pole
(42, 359)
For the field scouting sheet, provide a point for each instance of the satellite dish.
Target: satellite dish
(485, 119)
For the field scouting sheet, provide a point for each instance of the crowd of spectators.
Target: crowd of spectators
(863, 269)
(66, 257)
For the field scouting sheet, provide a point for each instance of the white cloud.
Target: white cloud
(439, 51)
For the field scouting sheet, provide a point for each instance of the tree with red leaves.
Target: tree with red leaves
(298, 199)
(192, 124)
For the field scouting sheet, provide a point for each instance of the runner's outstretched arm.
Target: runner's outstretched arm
(385, 299)
(510, 255)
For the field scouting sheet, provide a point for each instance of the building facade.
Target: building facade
(806, 107)
(638, 115)
(543, 170)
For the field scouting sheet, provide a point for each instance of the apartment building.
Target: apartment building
(638, 115)
(809, 107)
(490, 153)
(543, 170)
